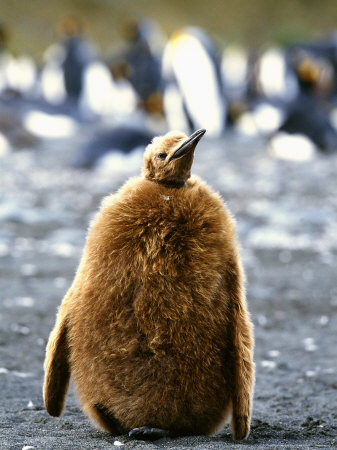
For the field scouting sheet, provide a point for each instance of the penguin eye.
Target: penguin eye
(162, 156)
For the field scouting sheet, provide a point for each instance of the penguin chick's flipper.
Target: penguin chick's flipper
(243, 380)
(148, 433)
(110, 422)
(57, 370)
(241, 427)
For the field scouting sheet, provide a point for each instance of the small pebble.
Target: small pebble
(329, 370)
(310, 373)
(27, 302)
(28, 270)
(4, 249)
(309, 344)
(268, 364)
(20, 329)
(262, 320)
(323, 321)
(63, 249)
(59, 282)
(22, 374)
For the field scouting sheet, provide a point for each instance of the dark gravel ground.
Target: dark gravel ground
(286, 214)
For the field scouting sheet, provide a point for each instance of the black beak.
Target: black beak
(188, 145)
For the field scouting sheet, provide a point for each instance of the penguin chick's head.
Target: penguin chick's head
(168, 159)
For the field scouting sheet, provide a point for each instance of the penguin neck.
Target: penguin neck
(171, 183)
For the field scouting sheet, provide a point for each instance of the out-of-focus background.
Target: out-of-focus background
(250, 23)
(84, 87)
(258, 68)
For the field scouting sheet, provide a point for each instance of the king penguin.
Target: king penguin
(154, 330)
(190, 62)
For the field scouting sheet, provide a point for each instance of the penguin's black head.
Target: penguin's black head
(168, 159)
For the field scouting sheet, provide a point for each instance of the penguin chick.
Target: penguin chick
(154, 329)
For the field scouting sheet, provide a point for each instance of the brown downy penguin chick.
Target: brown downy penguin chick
(154, 329)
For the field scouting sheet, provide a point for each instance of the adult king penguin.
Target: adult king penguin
(154, 329)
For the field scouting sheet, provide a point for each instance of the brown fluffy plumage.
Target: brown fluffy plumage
(154, 329)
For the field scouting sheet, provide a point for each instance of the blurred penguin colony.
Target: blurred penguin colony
(184, 82)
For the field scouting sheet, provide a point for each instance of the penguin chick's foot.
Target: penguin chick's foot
(110, 422)
(148, 434)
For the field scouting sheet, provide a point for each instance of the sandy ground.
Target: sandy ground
(286, 214)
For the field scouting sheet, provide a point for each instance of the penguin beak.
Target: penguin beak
(188, 145)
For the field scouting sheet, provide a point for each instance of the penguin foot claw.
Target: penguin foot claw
(148, 434)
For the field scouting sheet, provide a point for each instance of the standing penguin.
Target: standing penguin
(154, 329)
(190, 62)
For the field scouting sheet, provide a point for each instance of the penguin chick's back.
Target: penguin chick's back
(151, 305)
(176, 236)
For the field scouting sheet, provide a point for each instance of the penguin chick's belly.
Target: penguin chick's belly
(182, 389)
